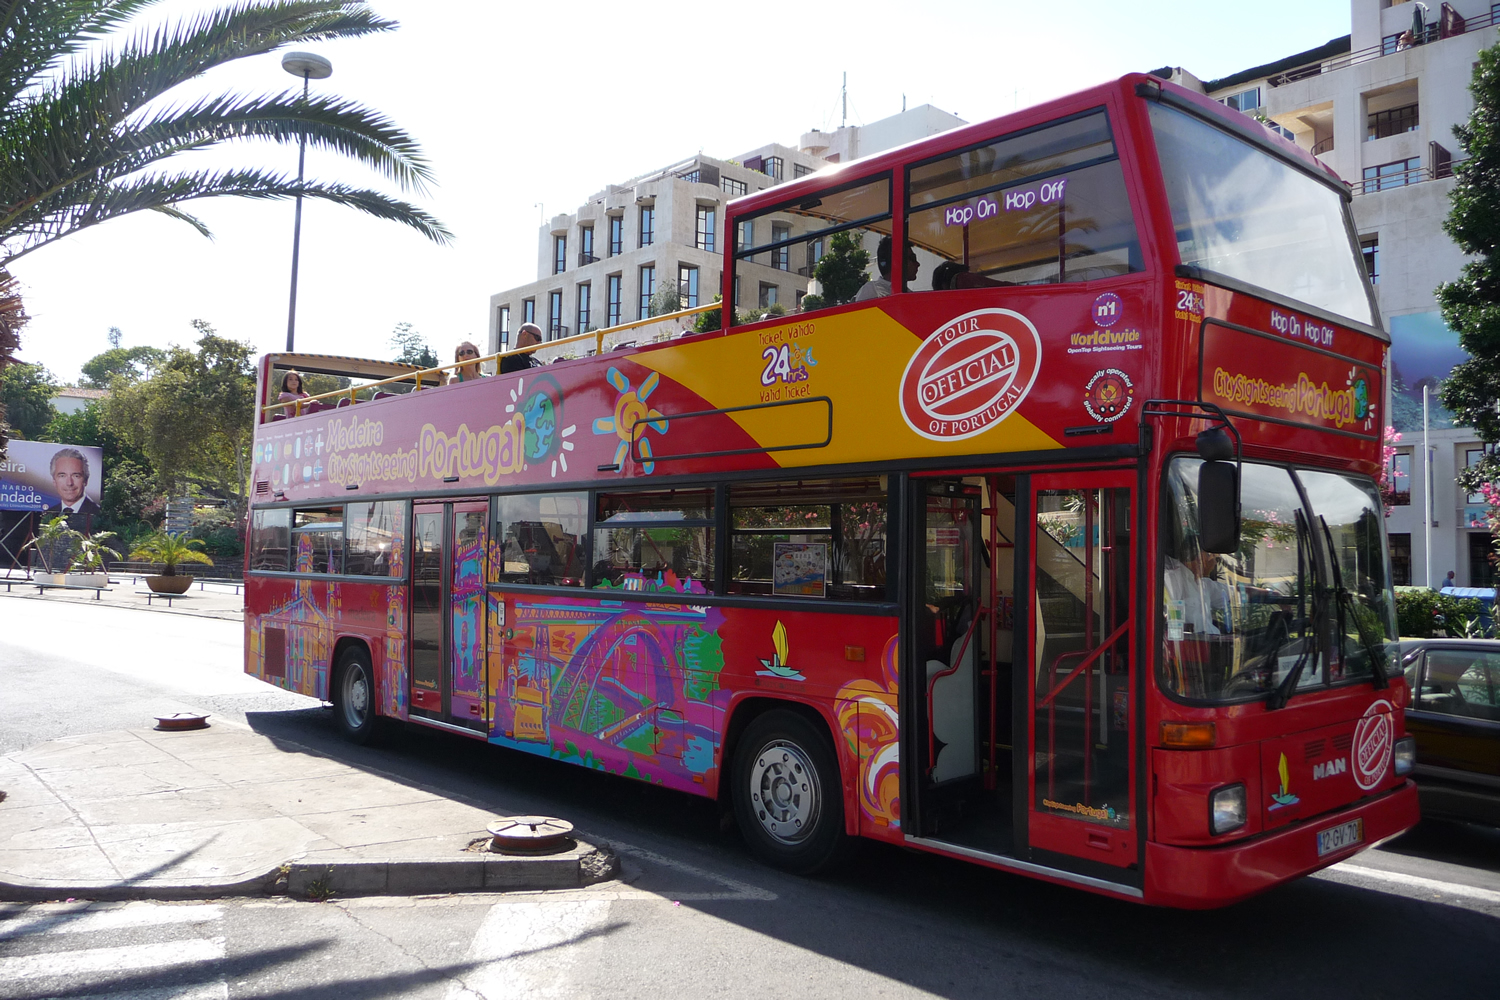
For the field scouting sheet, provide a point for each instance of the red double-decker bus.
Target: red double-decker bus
(1048, 539)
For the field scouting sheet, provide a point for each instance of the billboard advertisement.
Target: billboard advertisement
(41, 476)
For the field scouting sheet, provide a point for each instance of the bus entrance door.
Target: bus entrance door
(1081, 768)
(447, 613)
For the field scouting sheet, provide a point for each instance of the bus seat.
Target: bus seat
(951, 713)
(344, 401)
(278, 416)
(383, 395)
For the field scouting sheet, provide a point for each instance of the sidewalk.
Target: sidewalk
(206, 599)
(142, 814)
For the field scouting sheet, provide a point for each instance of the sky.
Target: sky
(524, 110)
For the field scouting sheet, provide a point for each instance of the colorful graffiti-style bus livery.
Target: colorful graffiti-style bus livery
(1054, 547)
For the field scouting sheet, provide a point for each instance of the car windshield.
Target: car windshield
(1243, 213)
(1238, 624)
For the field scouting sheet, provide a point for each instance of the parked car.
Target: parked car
(1455, 718)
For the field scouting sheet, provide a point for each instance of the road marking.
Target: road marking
(739, 890)
(1418, 882)
(89, 921)
(145, 956)
(529, 949)
(202, 991)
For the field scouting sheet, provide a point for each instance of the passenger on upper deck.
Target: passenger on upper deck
(291, 388)
(528, 336)
(881, 286)
(466, 372)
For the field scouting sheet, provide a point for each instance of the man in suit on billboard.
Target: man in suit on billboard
(70, 476)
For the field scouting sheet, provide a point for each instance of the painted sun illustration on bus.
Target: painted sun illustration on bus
(630, 409)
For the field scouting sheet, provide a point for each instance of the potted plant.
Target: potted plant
(54, 545)
(88, 568)
(170, 550)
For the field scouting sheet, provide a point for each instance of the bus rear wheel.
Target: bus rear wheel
(354, 696)
(787, 794)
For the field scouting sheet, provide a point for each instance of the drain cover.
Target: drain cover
(182, 720)
(529, 835)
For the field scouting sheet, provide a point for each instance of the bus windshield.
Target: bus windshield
(1245, 214)
(1306, 591)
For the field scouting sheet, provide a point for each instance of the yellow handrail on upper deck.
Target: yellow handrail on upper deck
(438, 372)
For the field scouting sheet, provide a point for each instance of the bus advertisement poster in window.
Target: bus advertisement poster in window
(800, 569)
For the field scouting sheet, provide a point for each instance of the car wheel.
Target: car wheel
(787, 795)
(354, 696)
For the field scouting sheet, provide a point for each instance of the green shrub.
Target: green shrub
(220, 531)
(1422, 613)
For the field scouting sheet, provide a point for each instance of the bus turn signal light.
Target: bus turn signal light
(1187, 735)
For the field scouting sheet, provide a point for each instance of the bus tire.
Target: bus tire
(354, 696)
(787, 794)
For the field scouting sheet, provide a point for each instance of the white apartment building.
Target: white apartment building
(601, 265)
(1379, 106)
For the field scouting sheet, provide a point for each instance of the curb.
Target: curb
(583, 865)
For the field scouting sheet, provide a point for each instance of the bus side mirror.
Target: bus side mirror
(1218, 507)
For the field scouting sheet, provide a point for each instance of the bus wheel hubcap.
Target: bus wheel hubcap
(784, 792)
(356, 698)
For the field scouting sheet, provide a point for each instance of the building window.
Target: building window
(1369, 248)
(775, 168)
(648, 225)
(1401, 479)
(1392, 121)
(1473, 457)
(732, 187)
(1388, 43)
(781, 257)
(736, 291)
(1481, 570)
(559, 254)
(1245, 100)
(815, 251)
(801, 170)
(502, 325)
(1400, 559)
(747, 235)
(768, 295)
(612, 290)
(528, 311)
(586, 245)
(1393, 175)
(616, 235)
(648, 289)
(707, 224)
(693, 176)
(555, 326)
(585, 297)
(687, 286)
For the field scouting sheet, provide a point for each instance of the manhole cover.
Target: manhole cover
(182, 720)
(530, 835)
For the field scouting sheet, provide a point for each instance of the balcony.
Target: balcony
(1392, 121)
(1448, 25)
(1325, 146)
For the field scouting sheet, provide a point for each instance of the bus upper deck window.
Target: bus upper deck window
(1044, 206)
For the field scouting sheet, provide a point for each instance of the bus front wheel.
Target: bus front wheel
(787, 794)
(354, 696)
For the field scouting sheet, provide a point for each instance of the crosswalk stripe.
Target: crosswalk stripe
(202, 991)
(145, 956)
(84, 922)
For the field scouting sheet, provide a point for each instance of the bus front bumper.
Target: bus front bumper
(1205, 877)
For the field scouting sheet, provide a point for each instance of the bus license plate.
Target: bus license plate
(1337, 838)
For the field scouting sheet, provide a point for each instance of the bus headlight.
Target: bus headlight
(1226, 809)
(1404, 755)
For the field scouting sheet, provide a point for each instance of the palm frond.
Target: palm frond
(172, 212)
(35, 34)
(153, 193)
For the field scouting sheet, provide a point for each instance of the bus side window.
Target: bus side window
(1041, 207)
(541, 538)
(270, 539)
(828, 240)
(318, 540)
(809, 539)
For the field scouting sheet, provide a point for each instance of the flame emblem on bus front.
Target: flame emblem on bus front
(1284, 797)
(777, 665)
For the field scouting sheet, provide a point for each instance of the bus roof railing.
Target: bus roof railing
(437, 374)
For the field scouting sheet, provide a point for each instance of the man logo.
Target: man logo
(970, 374)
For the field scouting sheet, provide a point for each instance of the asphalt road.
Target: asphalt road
(695, 916)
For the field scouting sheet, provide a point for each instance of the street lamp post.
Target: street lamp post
(310, 67)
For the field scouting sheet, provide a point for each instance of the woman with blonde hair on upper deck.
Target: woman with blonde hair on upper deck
(467, 371)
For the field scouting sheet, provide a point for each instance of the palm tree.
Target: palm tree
(86, 123)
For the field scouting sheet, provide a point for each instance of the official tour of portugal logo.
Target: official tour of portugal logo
(970, 374)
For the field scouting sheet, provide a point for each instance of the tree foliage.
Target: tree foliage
(26, 393)
(841, 271)
(130, 363)
(129, 490)
(1471, 304)
(192, 417)
(412, 347)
